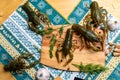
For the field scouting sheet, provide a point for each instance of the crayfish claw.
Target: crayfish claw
(69, 60)
(57, 56)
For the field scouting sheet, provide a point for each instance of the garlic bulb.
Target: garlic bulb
(113, 23)
(42, 74)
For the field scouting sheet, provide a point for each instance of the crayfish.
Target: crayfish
(99, 16)
(97, 19)
(17, 65)
(66, 48)
(89, 35)
(35, 17)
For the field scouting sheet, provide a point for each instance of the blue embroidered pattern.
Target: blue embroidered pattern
(80, 11)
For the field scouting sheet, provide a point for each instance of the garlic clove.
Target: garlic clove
(117, 50)
(113, 23)
(42, 74)
(117, 46)
(115, 54)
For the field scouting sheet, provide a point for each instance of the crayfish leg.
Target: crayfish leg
(32, 64)
(103, 44)
(82, 43)
(57, 54)
(93, 47)
(70, 59)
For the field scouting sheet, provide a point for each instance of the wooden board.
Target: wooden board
(85, 56)
(5, 75)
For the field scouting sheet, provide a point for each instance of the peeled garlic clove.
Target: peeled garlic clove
(42, 74)
(111, 43)
(113, 23)
(117, 46)
(115, 54)
(117, 50)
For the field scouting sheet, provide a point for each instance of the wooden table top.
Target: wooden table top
(8, 6)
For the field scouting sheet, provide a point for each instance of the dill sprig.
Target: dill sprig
(52, 44)
(47, 31)
(54, 40)
(90, 68)
(61, 30)
(50, 30)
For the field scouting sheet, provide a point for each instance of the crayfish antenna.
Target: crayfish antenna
(32, 64)
(26, 55)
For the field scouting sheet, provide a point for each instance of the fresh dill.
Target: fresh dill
(90, 68)
(54, 40)
(61, 30)
(52, 44)
(47, 31)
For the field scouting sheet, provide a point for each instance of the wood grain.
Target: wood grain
(5, 75)
(85, 56)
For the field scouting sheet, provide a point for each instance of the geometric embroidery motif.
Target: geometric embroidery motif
(72, 20)
(41, 4)
(49, 11)
(79, 11)
(86, 4)
(57, 19)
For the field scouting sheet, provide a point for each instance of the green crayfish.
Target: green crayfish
(66, 48)
(96, 14)
(89, 35)
(35, 18)
(17, 65)
(99, 16)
